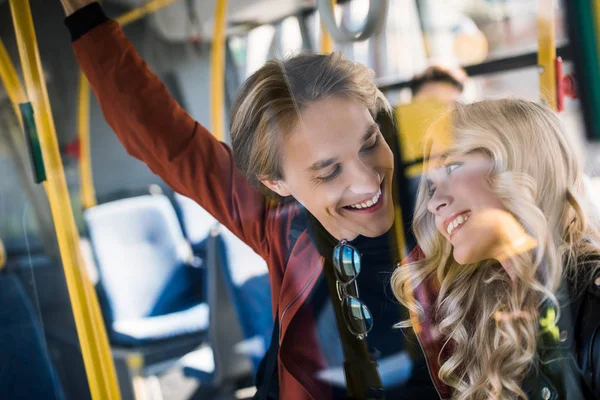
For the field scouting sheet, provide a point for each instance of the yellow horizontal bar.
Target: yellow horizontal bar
(142, 11)
(217, 71)
(92, 334)
(11, 81)
(547, 51)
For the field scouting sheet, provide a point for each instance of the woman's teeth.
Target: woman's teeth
(369, 203)
(461, 219)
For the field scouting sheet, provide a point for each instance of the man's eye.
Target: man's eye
(372, 146)
(336, 171)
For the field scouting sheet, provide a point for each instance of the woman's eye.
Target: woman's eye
(371, 146)
(451, 167)
(331, 176)
(431, 191)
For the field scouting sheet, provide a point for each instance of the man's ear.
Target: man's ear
(278, 186)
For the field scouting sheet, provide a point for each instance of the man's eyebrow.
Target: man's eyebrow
(370, 131)
(322, 164)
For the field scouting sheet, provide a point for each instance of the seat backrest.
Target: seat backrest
(247, 278)
(26, 371)
(238, 290)
(197, 222)
(139, 248)
(224, 329)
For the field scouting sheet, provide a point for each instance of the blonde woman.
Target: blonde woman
(504, 289)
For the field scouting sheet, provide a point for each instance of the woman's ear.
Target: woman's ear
(278, 186)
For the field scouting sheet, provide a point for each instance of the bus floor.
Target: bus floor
(174, 385)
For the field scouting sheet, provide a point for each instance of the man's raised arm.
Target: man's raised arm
(153, 127)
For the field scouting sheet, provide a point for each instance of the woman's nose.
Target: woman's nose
(440, 200)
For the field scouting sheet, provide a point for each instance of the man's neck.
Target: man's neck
(71, 6)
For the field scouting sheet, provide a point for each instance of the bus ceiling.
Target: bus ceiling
(194, 19)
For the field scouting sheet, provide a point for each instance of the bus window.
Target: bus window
(291, 38)
(258, 46)
(38, 339)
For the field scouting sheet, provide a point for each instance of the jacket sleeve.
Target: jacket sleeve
(596, 364)
(594, 344)
(156, 130)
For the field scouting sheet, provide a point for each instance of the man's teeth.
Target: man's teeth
(461, 219)
(369, 203)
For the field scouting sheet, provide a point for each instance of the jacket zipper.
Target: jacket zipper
(293, 301)
(428, 369)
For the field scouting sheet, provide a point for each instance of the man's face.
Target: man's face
(337, 164)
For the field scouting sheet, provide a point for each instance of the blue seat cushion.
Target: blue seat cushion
(193, 320)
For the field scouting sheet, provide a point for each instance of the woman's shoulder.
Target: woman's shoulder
(585, 278)
(585, 309)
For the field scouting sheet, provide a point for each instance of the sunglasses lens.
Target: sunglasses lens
(358, 316)
(346, 261)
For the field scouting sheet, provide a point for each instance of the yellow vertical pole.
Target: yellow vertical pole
(10, 79)
(2, 255)
(217, 71)
(596, 11)
(547, 51)
(326, 40)
(92, 336)
(87, 192)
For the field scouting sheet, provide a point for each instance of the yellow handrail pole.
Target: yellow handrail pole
(596, 11)
(93, 340)
(217, 71)
(326, 40)
(2, 255)
(87, 192)
(10, 79)
(547, 51)
(142, 11)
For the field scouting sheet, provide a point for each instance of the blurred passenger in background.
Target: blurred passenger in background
(439, 83)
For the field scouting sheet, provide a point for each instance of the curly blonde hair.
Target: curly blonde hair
(540, 180)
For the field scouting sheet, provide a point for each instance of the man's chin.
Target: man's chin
(376, 230)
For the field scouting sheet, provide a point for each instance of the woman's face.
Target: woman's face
(467, 213)
(337, 164)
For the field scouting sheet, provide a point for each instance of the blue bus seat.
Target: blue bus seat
(148, 289)
(247, 278)
(26, 371)
(238, 290)
(219, 365)
(196, 221)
